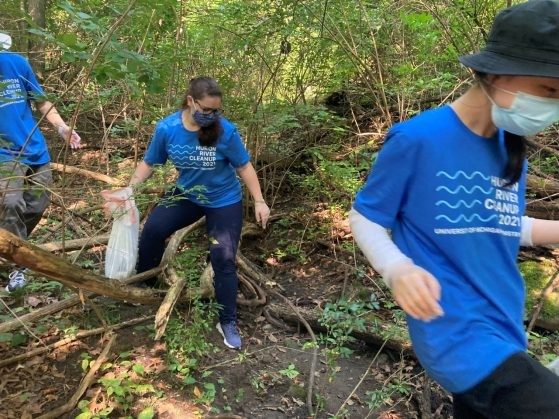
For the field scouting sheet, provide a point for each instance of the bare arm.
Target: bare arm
(122, 196)
(142, 172)
(48, 110)
(249, 177)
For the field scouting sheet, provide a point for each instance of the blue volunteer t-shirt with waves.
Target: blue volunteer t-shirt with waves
(20, 138)
(439, 187)
(206, 174)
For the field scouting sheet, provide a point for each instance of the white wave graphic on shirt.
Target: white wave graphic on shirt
(192, 157)
(471, 203)
(463, 174)
(462, 209)
(11, 92)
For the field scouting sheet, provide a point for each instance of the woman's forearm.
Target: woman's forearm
(249, 177)
(142, 172)
(48, 110)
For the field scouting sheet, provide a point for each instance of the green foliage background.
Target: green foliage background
(385, 55)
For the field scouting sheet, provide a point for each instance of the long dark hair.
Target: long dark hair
(198, 88)
(514, 144)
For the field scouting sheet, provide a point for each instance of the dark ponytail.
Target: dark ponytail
(516, 154)
(198, 88)
(514, 144)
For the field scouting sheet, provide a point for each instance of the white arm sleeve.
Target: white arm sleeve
(526, 231)
(376, 245)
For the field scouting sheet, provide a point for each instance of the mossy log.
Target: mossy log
(377, 331)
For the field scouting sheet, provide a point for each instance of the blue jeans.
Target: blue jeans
(223, 226)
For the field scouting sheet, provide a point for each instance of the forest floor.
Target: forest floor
(267, 379)
(306, 254)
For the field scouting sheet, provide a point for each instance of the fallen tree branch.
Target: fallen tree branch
(84, 384)
(275, 322)
(535, 144)
(551, 325)
(259, 293)
(207, 281)
(27, 255)
(87, 173)
(75, 244)
(348, 398)
(373, 335)
(548, 210)
(66, 341)
(542, 186)
(166, 307)
(176, 239)
(28, 318)
(174, 243)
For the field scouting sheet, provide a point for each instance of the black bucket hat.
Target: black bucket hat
(524, 41)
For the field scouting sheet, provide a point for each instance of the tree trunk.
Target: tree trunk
(37, 10)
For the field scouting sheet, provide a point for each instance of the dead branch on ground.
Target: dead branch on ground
(66, 341)
(370, 336)
(256, 274)
(87, 173)
(166, 307)
(548, 289)
(84, 384)
(75, 244)
(29, 318)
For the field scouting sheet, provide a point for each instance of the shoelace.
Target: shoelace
(230, 328)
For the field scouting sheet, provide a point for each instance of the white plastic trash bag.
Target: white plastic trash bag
(122, 250)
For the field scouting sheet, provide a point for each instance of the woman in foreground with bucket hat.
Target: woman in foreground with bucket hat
(450, 184)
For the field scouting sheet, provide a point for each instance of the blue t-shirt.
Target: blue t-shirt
(439, 187)
(207, 174)
(20, 138)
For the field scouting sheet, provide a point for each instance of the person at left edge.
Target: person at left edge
(208, 153)
(25, 174)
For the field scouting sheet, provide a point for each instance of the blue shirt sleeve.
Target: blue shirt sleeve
(236, 151)
(157, 149)
(381, 198)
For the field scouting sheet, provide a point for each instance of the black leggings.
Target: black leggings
(520, 388)
(224, 230)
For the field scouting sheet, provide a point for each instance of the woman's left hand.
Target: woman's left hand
(262, 213)
(70, 136)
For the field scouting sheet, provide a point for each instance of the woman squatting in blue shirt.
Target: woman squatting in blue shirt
(208, 153)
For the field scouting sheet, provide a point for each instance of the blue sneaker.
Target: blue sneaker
(230, 334)
(16, 280)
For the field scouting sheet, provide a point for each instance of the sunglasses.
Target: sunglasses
(208, 111)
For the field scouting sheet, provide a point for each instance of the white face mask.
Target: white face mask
(527, 115)
(5, 41)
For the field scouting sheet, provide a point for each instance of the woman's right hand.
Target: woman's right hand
(416, 291)
(117, 198)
